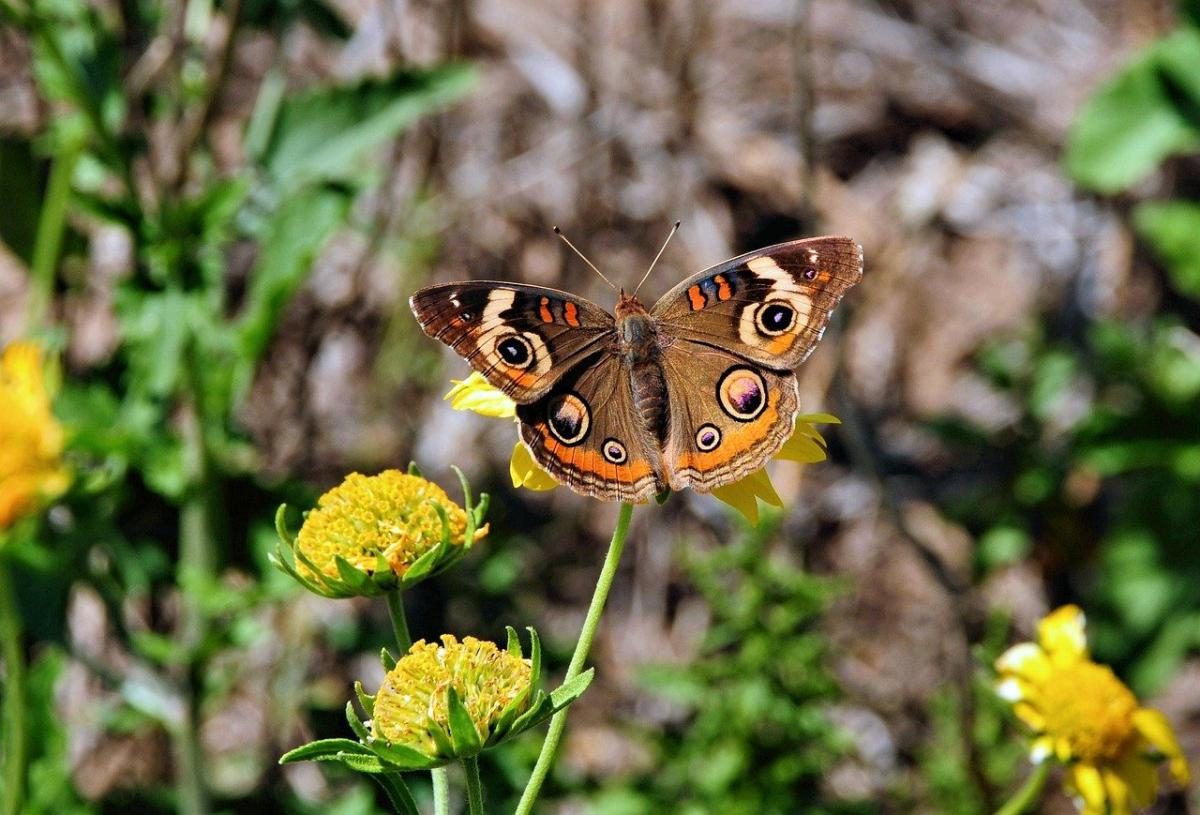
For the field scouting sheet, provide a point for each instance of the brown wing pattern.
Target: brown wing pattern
(728, 417)
(769, 306)
(585, 432)
(521, 338)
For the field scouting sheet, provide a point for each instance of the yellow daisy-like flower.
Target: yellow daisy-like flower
(1085, 717)
(31, 439)
(374, 533)
(806, 445)
(413, 702)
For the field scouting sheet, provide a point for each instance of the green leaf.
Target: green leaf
(324, 750)
(1173, 230)
(403, 756)
(324, 134)
(462, 728)
(569, 691)
(397, 793)
(295, 233)
(356, 723)
(1140, 117)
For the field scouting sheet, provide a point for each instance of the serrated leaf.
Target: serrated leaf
(323, 750)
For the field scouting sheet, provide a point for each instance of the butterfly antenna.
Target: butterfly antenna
(674, 229)
(558, 232)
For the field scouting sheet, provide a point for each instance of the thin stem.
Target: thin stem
(51, 224)
(1029, 794)
(441, 790)
(474, 785)
(395, 604)
(590, 623)
(16, 747)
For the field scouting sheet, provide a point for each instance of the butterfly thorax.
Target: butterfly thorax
(639, 348)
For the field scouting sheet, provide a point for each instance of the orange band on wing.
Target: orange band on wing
(781, 344)
(544, 310)
(571, 314)
(696, 298)
(590, 462)
(724, 292)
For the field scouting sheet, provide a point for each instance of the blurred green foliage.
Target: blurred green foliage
(752, 735)
(170, 495)
(1102, 472)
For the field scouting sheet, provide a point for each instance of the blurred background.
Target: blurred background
(217, 210)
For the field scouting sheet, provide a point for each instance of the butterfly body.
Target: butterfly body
(696, 391)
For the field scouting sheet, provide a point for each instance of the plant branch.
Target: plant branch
(51, 224)
(441, 790)
(395, 604)
(1030, 792)
(474, 785)
(559, 722)
(16, 742)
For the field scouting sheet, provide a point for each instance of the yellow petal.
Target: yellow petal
(818, 418)
(1116, 792)
(1030, 715)
(744, 495)
(1026, 660)
(1085, 779)
(1157, 731)
(1062, 635)
(1141, 776)
(526, 473)
(476, 394)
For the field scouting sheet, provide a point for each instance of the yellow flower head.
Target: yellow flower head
(806, 445)
(1085, 717)
(374, 533)
(31, 439)
(414, 701)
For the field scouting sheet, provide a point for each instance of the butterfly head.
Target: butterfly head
(628, 305)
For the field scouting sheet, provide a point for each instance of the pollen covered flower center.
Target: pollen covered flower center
(413, 697)
(1091, 709)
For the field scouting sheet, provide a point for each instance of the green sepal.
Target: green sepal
(413, 469)
(445, 747)
(365, 700)
(281, 527)
(535, 658)
(386, 659)
(462, 728)
(356, 724)
(403, 757)
(514, 642)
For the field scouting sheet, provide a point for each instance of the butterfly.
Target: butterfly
(697, 391)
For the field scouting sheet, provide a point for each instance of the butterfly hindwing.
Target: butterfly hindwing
(585, 432)
(769, 306)
(521, 338)
(728, 416)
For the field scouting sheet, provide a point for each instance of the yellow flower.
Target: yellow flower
(414, 700)
(31, 439)
(375, 533)
(806, 445)
(1085, 717)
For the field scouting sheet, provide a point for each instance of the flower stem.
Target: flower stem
(441, 790)
(590, 623)
(16, 753)
(474, 785)
(1030, 792)
(395, 604)
(51, 224)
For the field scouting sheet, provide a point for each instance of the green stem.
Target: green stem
(441, 790)
(16, 747)
(1030, 792)
(51, 224)
(474, 785)
(395, 604)
(590, 623)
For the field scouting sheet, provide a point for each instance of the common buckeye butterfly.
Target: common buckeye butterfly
(698, 391)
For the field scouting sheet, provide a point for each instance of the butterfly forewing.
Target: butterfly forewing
(770, 306)
(521, 338)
